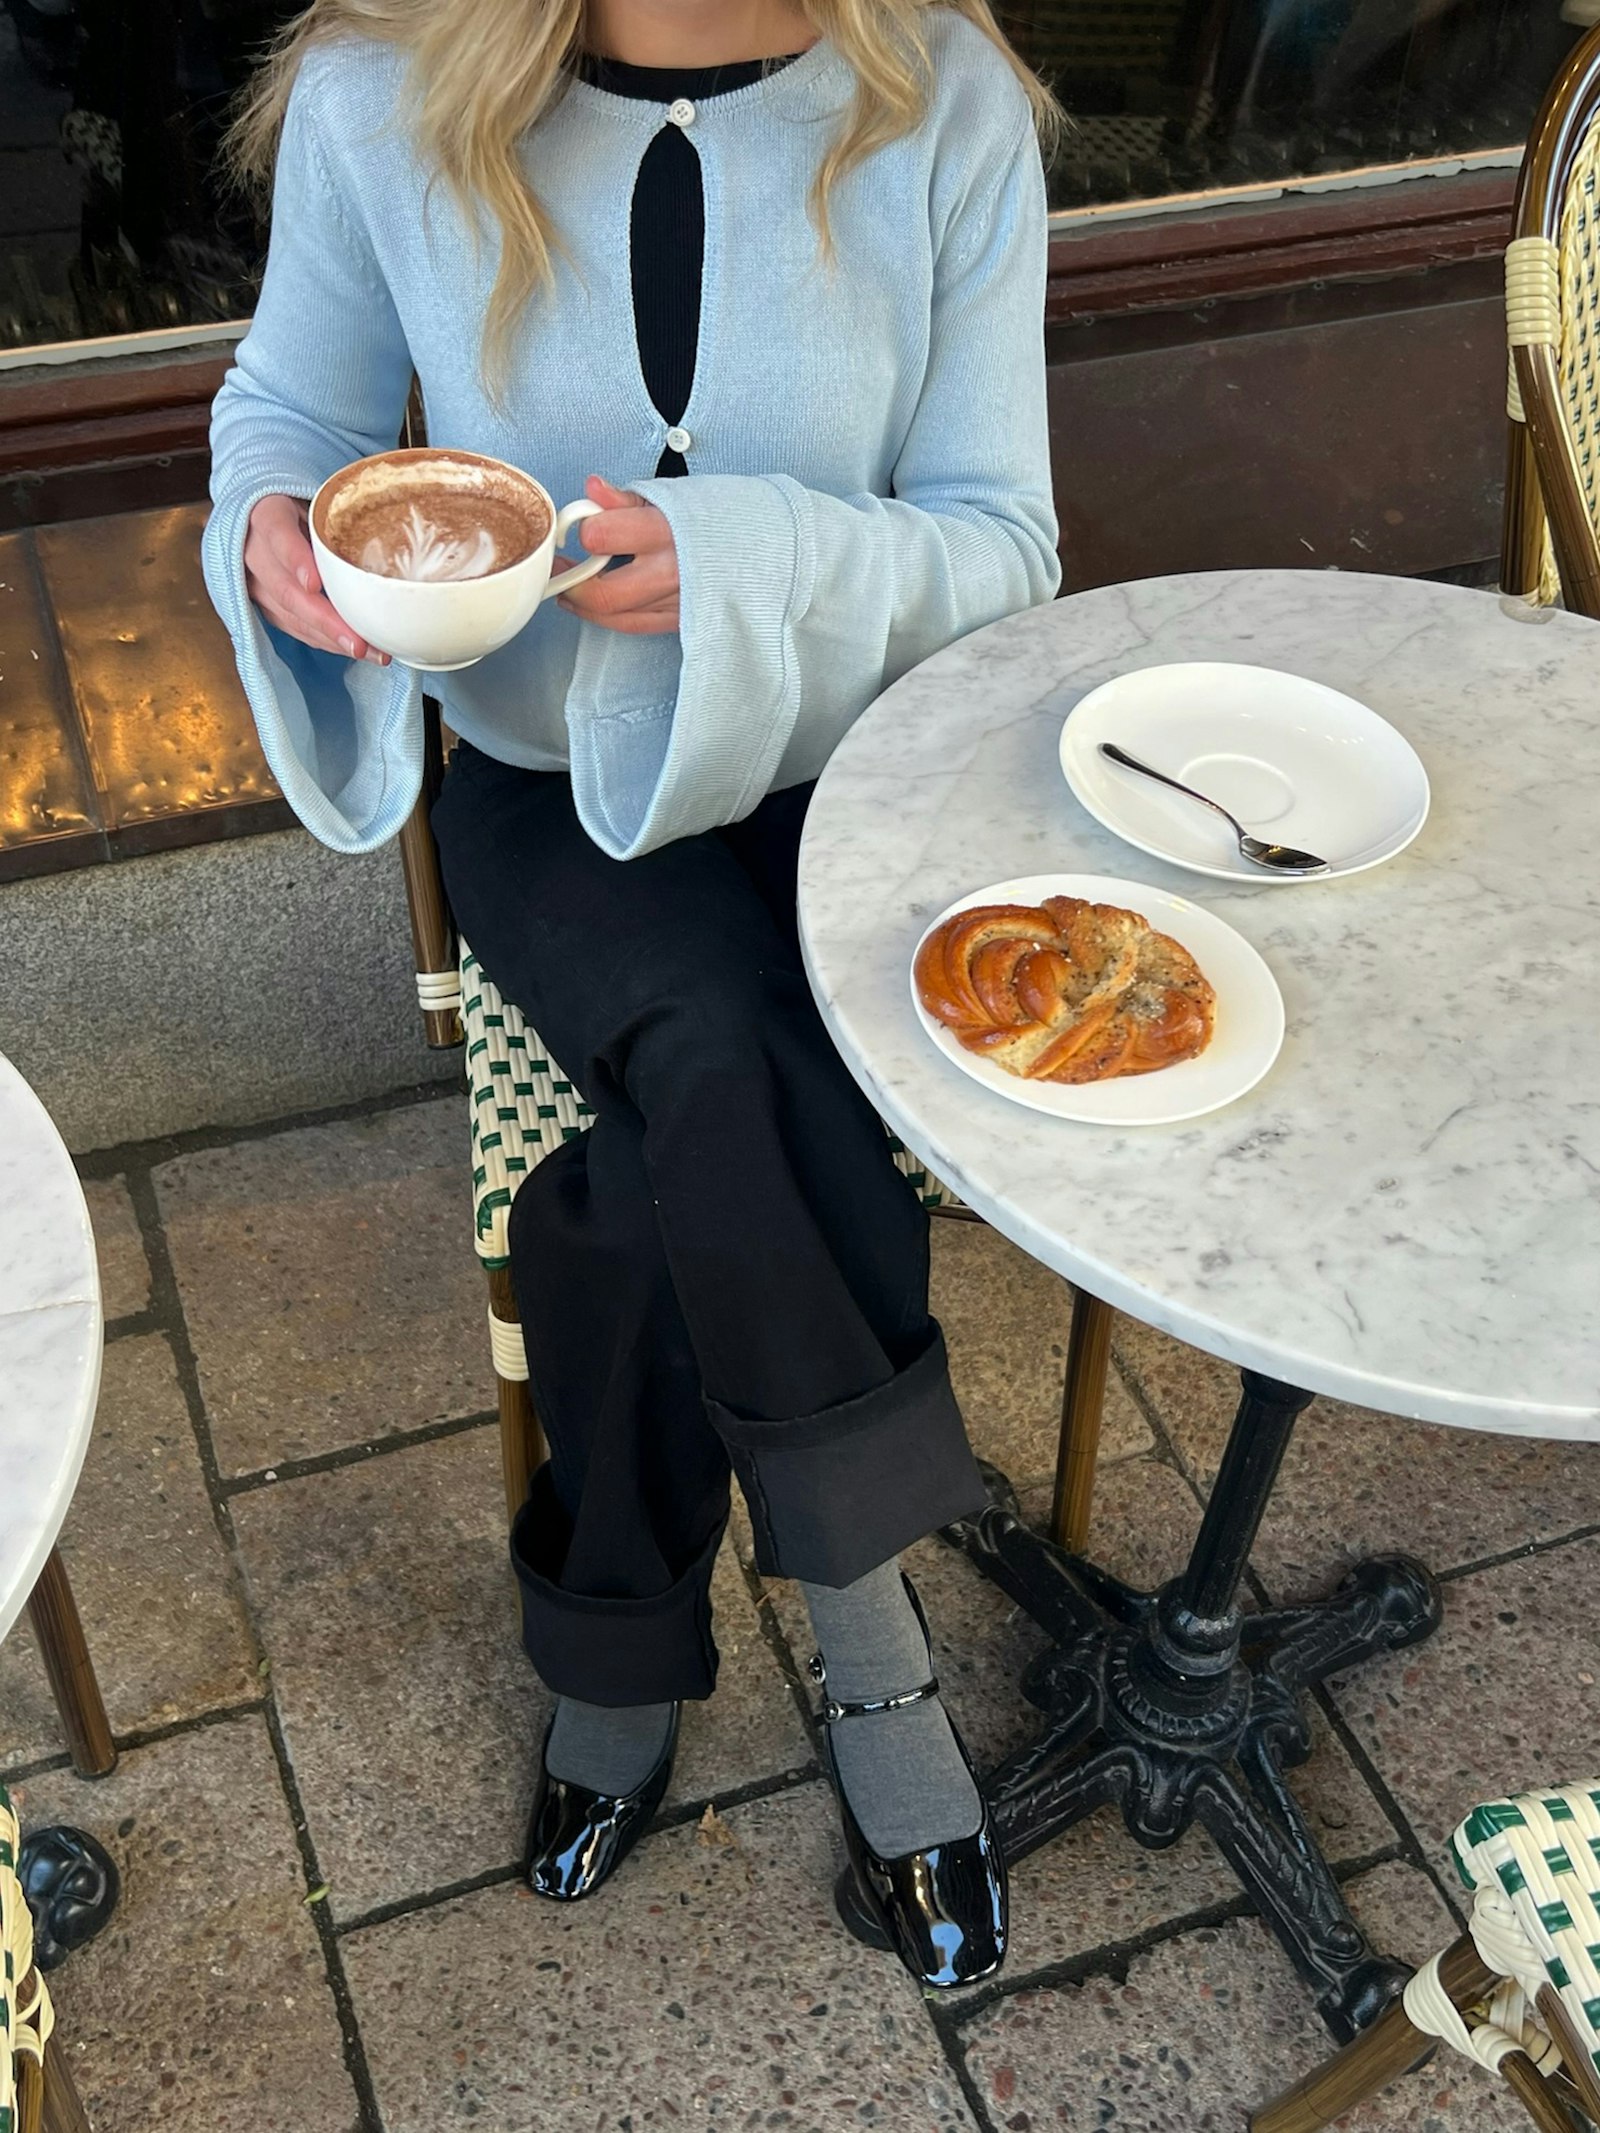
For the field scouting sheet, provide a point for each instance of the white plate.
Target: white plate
(1296, 762)
(1249, 1025)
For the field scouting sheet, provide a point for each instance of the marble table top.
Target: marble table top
(49, 1337)
(1406, 1212)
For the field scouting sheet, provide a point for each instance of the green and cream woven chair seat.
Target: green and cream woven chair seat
(523, 1108)
(1519, 1992)
(26, 2018)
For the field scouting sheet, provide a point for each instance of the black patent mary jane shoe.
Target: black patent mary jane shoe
(943, 1911)
(578, 1838)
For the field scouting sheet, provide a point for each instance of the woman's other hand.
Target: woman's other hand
(281, 577)
(641, 598)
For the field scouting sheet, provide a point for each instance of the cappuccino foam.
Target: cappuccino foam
(434, 517)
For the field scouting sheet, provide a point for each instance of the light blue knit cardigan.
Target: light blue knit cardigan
(869, 459)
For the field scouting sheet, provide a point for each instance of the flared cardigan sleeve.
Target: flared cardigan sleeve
(321, 378)
(798, 608)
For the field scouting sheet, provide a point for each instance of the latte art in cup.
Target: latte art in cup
(439, 557)
(432, 516)
(422, 549)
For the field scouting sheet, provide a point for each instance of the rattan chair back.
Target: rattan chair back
(1550, 548)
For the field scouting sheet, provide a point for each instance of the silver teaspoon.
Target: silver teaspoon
(1280, 858)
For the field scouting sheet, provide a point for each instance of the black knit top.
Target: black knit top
(667, 233)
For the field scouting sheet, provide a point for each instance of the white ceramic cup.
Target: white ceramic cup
(439, 625)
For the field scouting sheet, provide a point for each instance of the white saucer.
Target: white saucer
(1249, 1027)
(1296, 762)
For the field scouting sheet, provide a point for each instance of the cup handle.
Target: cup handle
(581, 573)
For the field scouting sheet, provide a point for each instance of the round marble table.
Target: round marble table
(50, 1348)
(50, 1338)
(1405, 1213)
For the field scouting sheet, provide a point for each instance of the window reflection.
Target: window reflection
(1179, 96)
(112, 218)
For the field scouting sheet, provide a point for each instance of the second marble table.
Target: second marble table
(1404, 1214)
(50, 1346)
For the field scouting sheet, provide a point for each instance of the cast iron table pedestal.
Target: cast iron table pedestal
(1178, 1708)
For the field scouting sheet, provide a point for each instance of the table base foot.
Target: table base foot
(71, 1885)
(1177, 1709)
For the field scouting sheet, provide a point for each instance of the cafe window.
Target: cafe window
(1189, 97)
(114, 220)
(113, 216)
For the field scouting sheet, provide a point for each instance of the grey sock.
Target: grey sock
(902, 1772)
(609, 1750)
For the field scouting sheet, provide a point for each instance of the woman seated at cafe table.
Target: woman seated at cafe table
(768, 277)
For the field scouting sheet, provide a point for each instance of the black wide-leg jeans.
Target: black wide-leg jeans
(726, 1272)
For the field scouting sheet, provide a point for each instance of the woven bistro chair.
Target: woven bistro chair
(36, 2091)
(1550, 549)
(1519, 1992)
(523, 1107)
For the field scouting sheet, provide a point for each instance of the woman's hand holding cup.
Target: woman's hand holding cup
(281, 577)
(640, 597)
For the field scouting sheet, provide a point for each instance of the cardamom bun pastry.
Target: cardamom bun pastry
(1065, 990)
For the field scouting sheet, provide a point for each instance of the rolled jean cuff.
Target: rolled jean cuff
(610, 1651)
(833, 1495)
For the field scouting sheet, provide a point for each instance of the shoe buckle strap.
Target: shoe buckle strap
(833, 1710)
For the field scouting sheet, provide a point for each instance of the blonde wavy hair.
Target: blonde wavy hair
(484, 71)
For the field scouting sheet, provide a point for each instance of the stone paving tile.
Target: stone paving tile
(751, 1728)
(124, 1270)
(1207, 2025)
(1192, 1394)
(1142, 1521)
(204, 2006)
(1501, 1700)
(1005, 1319)
(1356, 1483)
(388, 1613)
(712, 1984)
(410, 1713)
(159, 1602)
(329, 1282)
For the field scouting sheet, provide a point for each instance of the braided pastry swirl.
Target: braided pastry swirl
(1065, 991)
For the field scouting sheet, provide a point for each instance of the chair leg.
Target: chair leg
(1538, 2098)
(63, 2108)
(1522, 530)
(522, 1447)
(29, 2095)
(54, 1615)
(1390, 2047)
(1082, 1405)
(1579, 2065)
